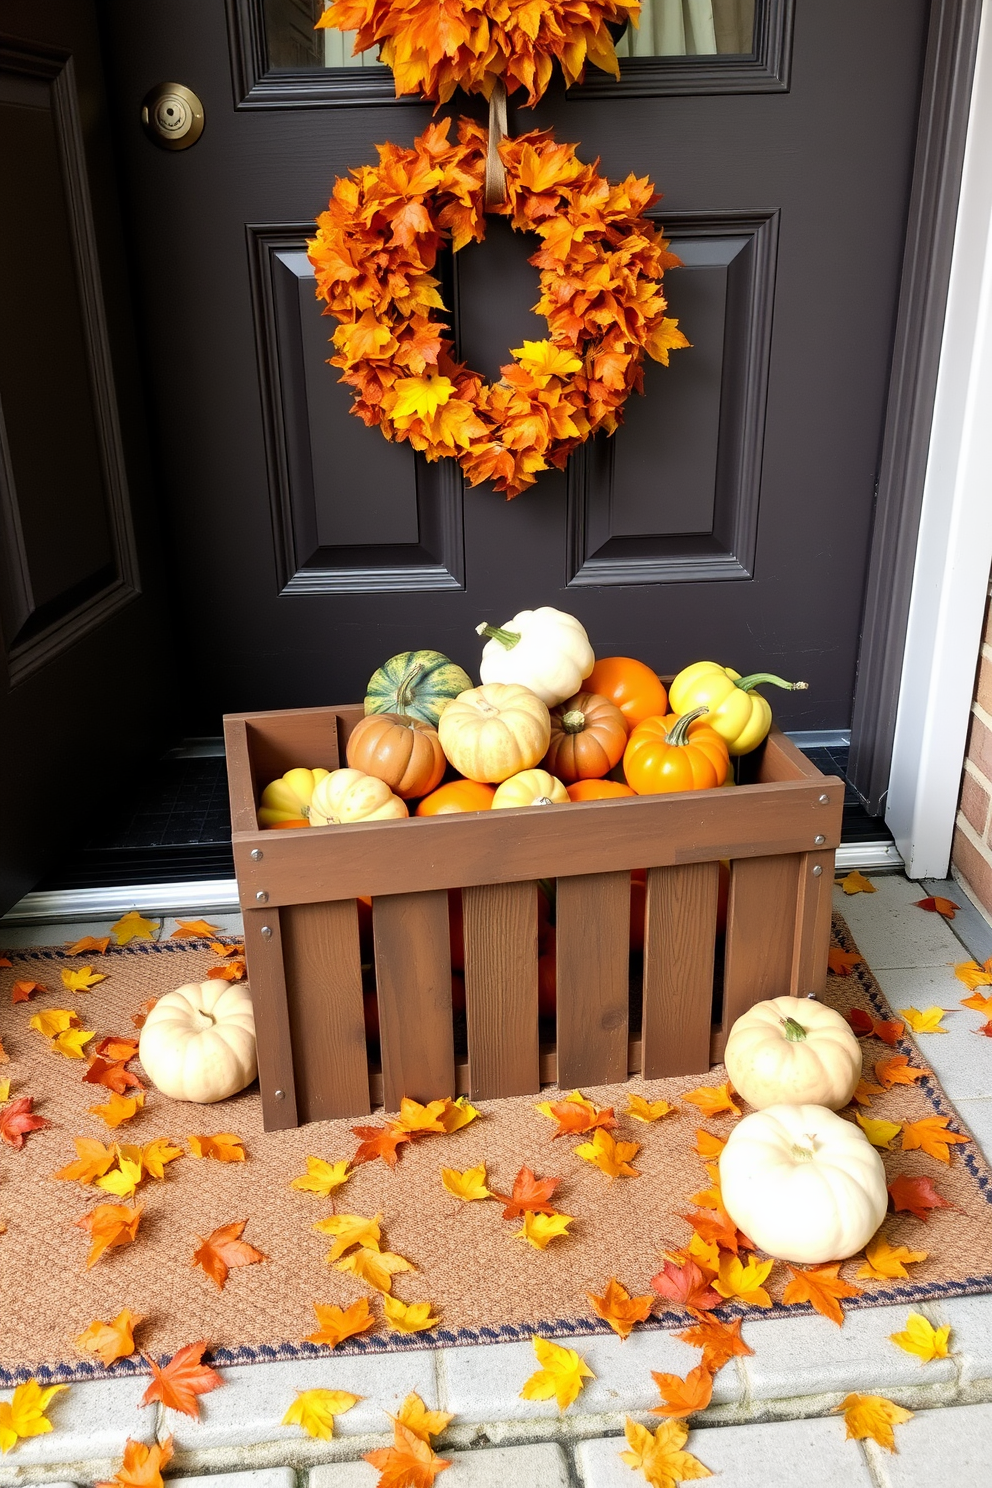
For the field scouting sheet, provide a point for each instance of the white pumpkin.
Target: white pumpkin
(545, 650)
(793, 1051)
(804, 1184)
(198, 1043)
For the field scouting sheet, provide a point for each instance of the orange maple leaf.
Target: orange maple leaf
(409, 1463)
(918, 1195)
(719, 1341)
(337, 1324)
(4, 961)
(228, 948)
(718, 1228)
(842, 963)
(680, 1397)
(618, 1308)
(109, 1225)
(17, 1119)
(936, 905)
(110, 1341)
(138, 1018)
(712, 1099)
(685, 1286)
(931, 1136)
(23, 991)
(117, 1049)
(890, 1032)
(178, 1382)
(223, 1146)
(224, 1249)
(821, 1286)
(92, 1161)
(530, 1195)
(378, 1141)
(897, 1071)
(576, 1115)
(88, 943)
(981, 1004)
(4, 1056)
(142, 1465)
(708, 1146)
(193, 930)
(864, 1091)
(119, 1108)
(231, 971)
(112, 1075)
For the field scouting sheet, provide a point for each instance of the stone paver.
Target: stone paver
(778, 1454)
(937, 1448)
(90, 1422)
(891, 931)
(959, 1058)
(264, 1477)
(971, 1335)
(977, 1117)
(542, 1466)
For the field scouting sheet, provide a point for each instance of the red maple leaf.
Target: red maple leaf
(111, 1074)
(529, 1194)
(918, 1195)
(178, 1383)
(686, 1286)
(16, 1120)
(378, 1141)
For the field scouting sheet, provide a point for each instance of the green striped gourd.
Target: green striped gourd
(416, 684)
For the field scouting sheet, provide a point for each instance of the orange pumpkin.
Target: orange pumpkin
(631, 686)
(661, 757)
(588, 737)
(289, 824)
(404, 752)
(671, 719)
(598, 790)
(457, 795)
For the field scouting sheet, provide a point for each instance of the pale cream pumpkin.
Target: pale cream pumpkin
(492, 732)
(793, 1051)
(804, 1184)
(546, 650)
(353, 796)
(531, 788)
(198, 1043)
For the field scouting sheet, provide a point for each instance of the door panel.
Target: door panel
(730, 515)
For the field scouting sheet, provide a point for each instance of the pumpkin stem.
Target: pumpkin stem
(794, 1032)
(802, 1154)
(679, 733)
(407, 680)
(746, 683)
(543, 801)
(507, 638)
(573, 722)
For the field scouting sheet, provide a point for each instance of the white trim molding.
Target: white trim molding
(954, 551)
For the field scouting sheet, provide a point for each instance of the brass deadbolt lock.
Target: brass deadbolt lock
(172, 116)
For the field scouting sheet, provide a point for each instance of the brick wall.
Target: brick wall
(971, 855)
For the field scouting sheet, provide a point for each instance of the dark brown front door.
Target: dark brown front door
(730, 516)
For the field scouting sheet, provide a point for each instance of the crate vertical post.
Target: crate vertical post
(593, 950)
(413, 979)
(500, 927)
(679, 949)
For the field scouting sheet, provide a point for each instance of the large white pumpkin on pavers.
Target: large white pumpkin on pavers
(793, 1051)
(804, 1184)
(198, 1043)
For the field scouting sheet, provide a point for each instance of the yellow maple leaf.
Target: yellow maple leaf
(54, 1021)
(884, 1261)
(609, 1155)
(110, 1341)
(133, 926)
(973, 975)
(424, 1423)
(879, 1133)
(349, 1230)
(194, 930)
(458, 1114)
(735, 1279)
(420, 397)
(119, 1107)
(122, 1180)
(83, 979)
(24, 1415)
(323, 1177)
(376, 1268)
(562, 1373)
(467, 1185)
(856, 883)
(545, 359)
(874, 1416)
(928, 1021)
(663, 339)
(155, 1155)
(71, 1042)
(932, 1137)
(540, 1229)
(659, 1456)
(920, 1337)
(643, 1110)
(315, 1410)
(408, 1317)
(712, 1099)
(415, 1118)
(4, 1091)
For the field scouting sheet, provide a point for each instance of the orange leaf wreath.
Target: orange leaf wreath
(601, 266)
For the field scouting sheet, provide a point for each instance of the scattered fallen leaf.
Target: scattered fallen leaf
(898, 1071)
(467, 1185)
(83, 979)
(745, 1281)
(142, 1465)
(144, 1008)
(659, 1456)
(822, 1287)
(4, 1056)
(116, 1049)
(119, 1108)
(24, 1415)
(88, 943)
(410, 1462)
(4, 961)
(349, 1230)
(178, 1382)
(71, 1043)
(322, 1177)
(680, 1397)
(376, 1268)
(408, 1317)
(4, 1091)
(562, 1373)
(540, 1229)
(932, 1137)
(717, 1228)
(920, 1337)
(640, 1109)
(884, 1262)
(929, 1021)
(708, 1145)
(608, 1155)
(336, 1323)
(864, 1091)
(315, 1410)
(719, 1341)
(108, 1226)
(685, 1286)
(418, 1120)
(936, 905)
(529, 1194)
(889, 1031)
(110, 1073)
(110, 1341)
(874, 1416)
(378, 1141)
(122, 1180)
(231, 971)
(917, 1195)
(842, 963)
(710, 1198)
(227, 948)
(618, 1308)
(576, 1115)
(981, 1004)
(985, 1031)
(712, 1099)
(973, 975)
(223, 1249)
(24, 991)
(879, 1133)
(156, 1154)
(133, 926)
(414, 1415)
(224, 1146)
(17, 1120)
(458, 1114)
(92, 1161)
(194, 930)
(856, 883)
(54, 1021)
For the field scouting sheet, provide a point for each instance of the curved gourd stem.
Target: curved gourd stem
(795, 1033)
(757, 678)
(507, 638)
(680, 729)
(407, 680)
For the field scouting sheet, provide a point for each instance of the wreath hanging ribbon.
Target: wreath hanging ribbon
(601, 261)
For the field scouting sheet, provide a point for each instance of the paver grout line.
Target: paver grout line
(875, 1462)
(441, 1379)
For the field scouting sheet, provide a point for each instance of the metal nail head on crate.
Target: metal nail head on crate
(300, 890)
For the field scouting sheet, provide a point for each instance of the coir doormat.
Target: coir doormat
(485, 1284)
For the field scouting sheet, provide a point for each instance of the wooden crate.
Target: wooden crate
(298, 891)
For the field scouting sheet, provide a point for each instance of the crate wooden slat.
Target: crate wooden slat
(679, 950)
(593, 953)
(500, 926)
(761, 930)
(324, 984)
(413, 982)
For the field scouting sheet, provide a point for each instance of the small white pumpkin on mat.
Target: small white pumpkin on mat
(802, 1183)
(198, 1043)
(793, 1051)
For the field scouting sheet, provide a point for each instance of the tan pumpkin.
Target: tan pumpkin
(404, 752)
(531, 788)
(793, 1051)
(352, 796)
(198, 1043)
(492, 732)
(588, 737)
